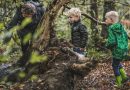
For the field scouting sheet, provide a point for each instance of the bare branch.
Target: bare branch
(93, 19)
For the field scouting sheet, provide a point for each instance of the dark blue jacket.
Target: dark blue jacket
(79, 35)
(30, 28)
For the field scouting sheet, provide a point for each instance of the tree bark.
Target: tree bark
(46, 27)
(94, 13)
(108, 6)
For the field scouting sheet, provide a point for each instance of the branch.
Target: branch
(46, 26)
(89, 17)
(126, 4)
(93, 19)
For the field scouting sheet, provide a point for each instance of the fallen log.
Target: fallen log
(64, 71)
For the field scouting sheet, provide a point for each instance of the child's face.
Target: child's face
(108, 21)
(73, 18)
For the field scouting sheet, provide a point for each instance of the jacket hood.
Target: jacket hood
(117, 27)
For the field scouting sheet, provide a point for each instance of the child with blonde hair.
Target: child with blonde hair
(79, 35)
(117, 42)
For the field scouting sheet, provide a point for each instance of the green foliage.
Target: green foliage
(98, 55)
(13, 41)
(27, 38)
(62, 27)
(22, 74)
(36, 58)
(34, 77)
(4, 58)
(25, 22)
(1, 26)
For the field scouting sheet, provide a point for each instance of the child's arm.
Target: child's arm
(84, 35)
(111, 41)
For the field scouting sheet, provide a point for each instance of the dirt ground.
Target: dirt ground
(102, 77)
(99, 76)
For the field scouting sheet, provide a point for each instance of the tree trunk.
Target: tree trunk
(94, 13)
(108, 6)
(46, 27)
(64, 72)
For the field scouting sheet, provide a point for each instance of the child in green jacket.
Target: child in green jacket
(117, 42)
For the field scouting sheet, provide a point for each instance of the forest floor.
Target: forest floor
(102, 77)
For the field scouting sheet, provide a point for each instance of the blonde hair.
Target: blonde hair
(113, 15)
(74, 11)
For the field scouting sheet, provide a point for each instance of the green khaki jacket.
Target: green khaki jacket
(117, 41)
